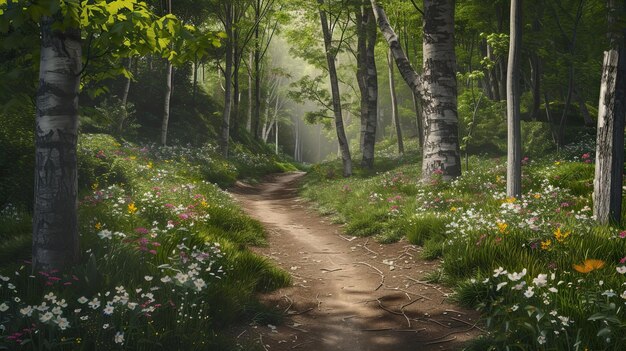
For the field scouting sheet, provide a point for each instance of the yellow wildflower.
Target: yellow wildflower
(502, 227)
(204, 203)
(150, 165)
(537, 196)
(561, 236)
(98, 226)
(510, 200)
(132, 208)
(498, 179)
(589, 265)
(95, 186)
(133, 157)
(546, 245)
(557, 163)
(453, 209)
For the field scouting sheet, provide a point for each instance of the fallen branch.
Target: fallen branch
(382, 276)
(401, 313)
(301, 344)
(301, 312)
(346, 239)
(409, 292)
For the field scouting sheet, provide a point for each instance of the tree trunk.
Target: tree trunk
(371, 75)
(120, 126)
(195, 80)
(441, 145)
(249, 121)
(168, 93)
(436, 87)
(55, 228)
(607, 194)
(228, 86)
(394, 104)
(236, 93)
(257, 73)
(334, 85)
(418, 118)
(361, 72)
(514, 136)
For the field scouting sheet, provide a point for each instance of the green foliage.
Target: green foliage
(541, 271)
(159, 240)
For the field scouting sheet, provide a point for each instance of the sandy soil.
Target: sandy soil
(348, 293)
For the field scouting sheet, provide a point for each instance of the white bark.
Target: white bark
(55, 229)
(514, 135)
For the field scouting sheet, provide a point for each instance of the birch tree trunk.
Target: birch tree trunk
(436, 86)
(334, 85)
(514, 136)
(394, 103)
(120, 126)
(607, 184)
(257, 72)
(55, 229)
(168, 93)
(441, 144)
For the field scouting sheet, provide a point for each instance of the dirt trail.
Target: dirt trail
(348, 293)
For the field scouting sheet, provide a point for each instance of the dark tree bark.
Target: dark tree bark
(514, 135)
(344, 147)
(367, 77)
(55, 229)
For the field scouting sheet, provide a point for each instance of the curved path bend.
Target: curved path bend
(348, 293)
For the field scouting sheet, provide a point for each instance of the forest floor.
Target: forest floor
(348, 293)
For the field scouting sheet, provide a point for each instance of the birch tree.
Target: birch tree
(514, 136)
(436, 85)
(607, 184)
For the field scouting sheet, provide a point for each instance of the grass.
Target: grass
(165, 258)
(563, 288)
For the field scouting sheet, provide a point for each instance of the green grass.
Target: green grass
(474, 229)
(172, 234)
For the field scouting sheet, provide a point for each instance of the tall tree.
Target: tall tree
(227, 20)
(514, 136)
(331, 55)
(607, 184)
(55, 228)
(367, 77)
(436, 86)
(168, 91)
(394, 103)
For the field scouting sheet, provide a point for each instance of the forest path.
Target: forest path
(348, 293)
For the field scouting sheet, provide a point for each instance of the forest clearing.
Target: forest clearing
(274, 175)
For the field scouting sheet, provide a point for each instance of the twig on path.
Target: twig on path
(433, 321)
(454, 332)
(408, 304)
(262, 343)
(382, 276)
(301, 344)
(290, 304)
(346, 239)
(470, 324)
(243, 332)
(401, 313)
(377, 330)
(425, 284)
(348, 317)
(410, 292)
(326, 270)
(440, 341)
(364, 245)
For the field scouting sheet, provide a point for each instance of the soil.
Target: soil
(348, 293)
